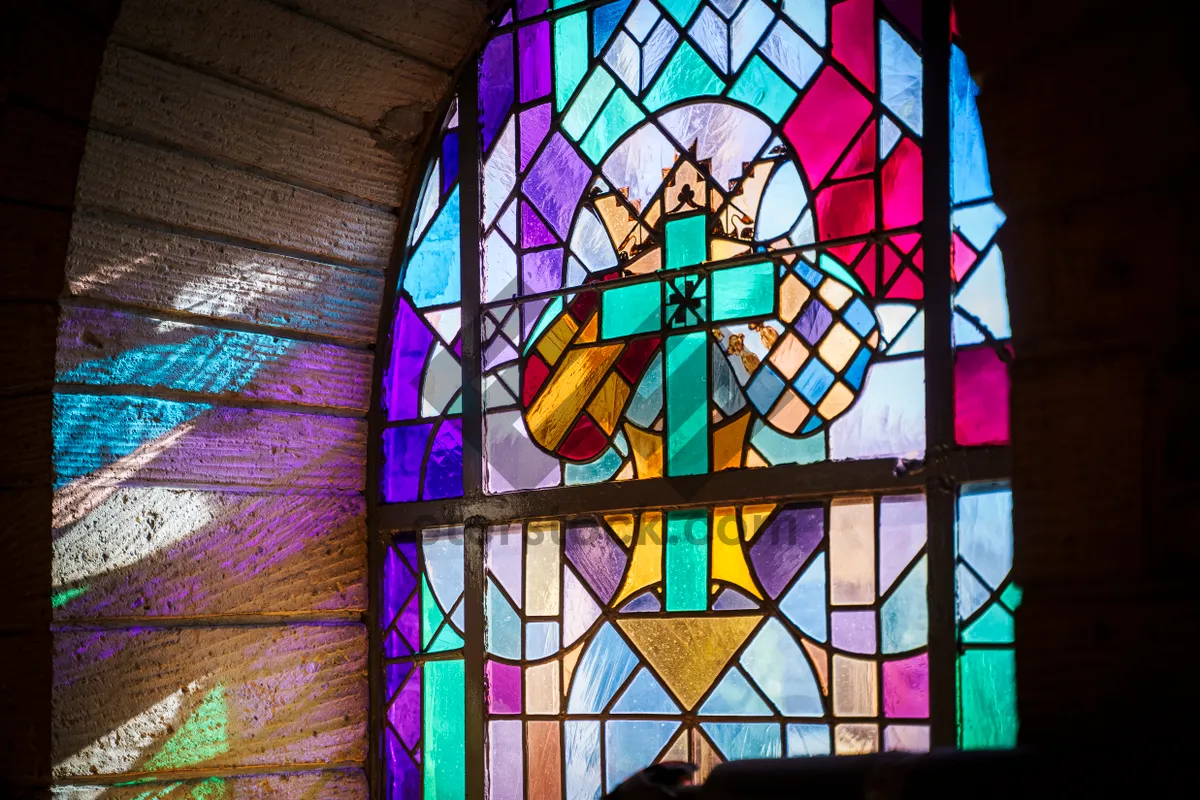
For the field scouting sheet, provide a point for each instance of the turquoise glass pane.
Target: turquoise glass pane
(570, 56)
(687, 404)
(686, 242)
(618, 116)
(587, 104)
(629, 310)
(681, 10)
(685, 76)
(762, 88)
(444, 739)
(905, 615)
(687, 560)
(993, 626)
(987, 699)
(738, 740)
(747, 291)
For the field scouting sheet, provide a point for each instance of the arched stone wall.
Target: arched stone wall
(225, 176)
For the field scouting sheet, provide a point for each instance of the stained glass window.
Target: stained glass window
(677, 352)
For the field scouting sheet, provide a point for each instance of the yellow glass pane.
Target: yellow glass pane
(645, 565)
(590, 330)
(790, 355)
(820, 660)
(609, 402)
(542, 691)
(837, 401)
(852, 551)
(753, 516)
(622, 525)
(541, 568)
(789, 412)
(647, 452)
(615, 216)
(557, 337)
(835, 293)
(728, 558)
(655, 211)
(854, 692)
(728, 441)
(704, 755)
(839, 345)
(570, 660)
(689, 652)
(685, 176)
(792, 294)
(568, 388)
(855, 740)
(722, 249)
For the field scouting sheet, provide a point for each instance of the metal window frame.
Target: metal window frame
(946, 466)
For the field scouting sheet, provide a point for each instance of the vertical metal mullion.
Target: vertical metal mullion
(472, 421)
(939, 372)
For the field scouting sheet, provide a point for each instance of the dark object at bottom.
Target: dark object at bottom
(656, 782)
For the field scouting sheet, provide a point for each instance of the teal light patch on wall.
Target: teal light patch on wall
(203, 736)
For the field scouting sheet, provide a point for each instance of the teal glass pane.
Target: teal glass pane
(747, 291)
(618, 116)
(503, 625)
(628, 310)
(1012, 596)
(993, 626)
(987, 699)
(686, 242)
(762, 88)
(591, 97)
(687, 404)
(905, 615)
(444, 735)
(681, 10)
(687, 560)
(570, 56)
(738, 740)
(685, 76)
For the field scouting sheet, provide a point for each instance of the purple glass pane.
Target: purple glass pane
(785, 544)
(409, 623)
(504, 688)
(398, 583)
(404, 777)
(906, 687)
(901, 535)
(495, 86)
(408, 551)
(542, 270)
(533, 44)
(449, 161)
(535, 124)
(531, 8)
(533, 231)
(411, 339)
(443, 472)
(498, 352)
(403, 451)
(732, 600)
(854, 631)
(814, 322)
(404, 713)
(394, 675)
(556, 183)
(529, 315)
(597, 556)
(394, 646)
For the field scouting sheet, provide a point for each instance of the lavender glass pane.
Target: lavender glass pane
(411, 339)
(901, 535)
(511, 460)
(497, 353)
(506, 768)
(404, 713)
(404, 780)
(495, 86)
(533, 44)
(449, 161)
(854, 631)
(813, 323)
(403, 451)
(556, 183)
(534, 125)
(597, 556)
(732, 600)
(504, 688)
(647, 601)
(443, 473)
(542, 270)
(785, 544)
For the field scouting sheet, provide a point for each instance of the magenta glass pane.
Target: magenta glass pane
(504, 688)
(846, 209)
(495, 86)
(443, 472)
(824, 122)
(906, 687)
(902, 186)
(981, 387)
(854, 38)
(533, 43)
(403, 451)
(411, 339)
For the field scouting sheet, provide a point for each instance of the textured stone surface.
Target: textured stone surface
(436, 30)
(224, 120)
(347, 784)
(166, 187)
(110, 348)
(214, 447)
(171, 552)
(150, 269)
(215, 698)
(303, 59)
